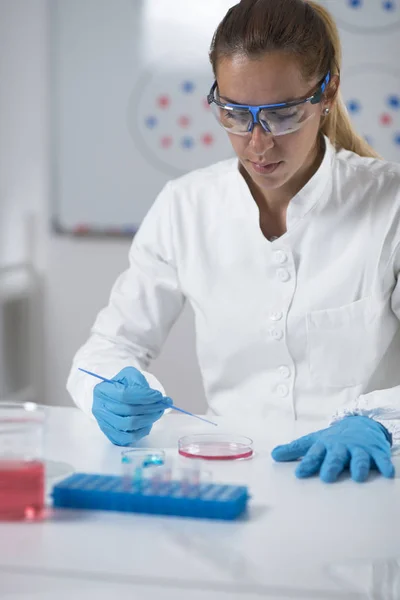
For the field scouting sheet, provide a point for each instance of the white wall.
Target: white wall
(23, 155)
(23, 110)
(76, 274)
(80, 274)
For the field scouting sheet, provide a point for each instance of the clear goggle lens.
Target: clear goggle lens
(280, 121)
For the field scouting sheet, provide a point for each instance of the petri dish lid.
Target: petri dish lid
(215, 446)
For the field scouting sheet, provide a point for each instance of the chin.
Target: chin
(270, 182)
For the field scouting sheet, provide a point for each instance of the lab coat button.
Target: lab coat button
(280, 256)
(283, 275)
(284, 371)
(276, 316)
(276, 334)
(282, 390)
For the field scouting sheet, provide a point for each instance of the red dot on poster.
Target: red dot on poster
(166, 141)
(386, 119)
(81, 229)
(163, 101)
(184, 121)
(207, 139)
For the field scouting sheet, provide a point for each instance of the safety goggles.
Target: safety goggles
(277, 119)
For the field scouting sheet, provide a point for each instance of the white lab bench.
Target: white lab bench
(300, 539)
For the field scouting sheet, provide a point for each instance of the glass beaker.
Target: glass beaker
(21, 461)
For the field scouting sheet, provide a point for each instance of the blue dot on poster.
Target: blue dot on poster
(397, 138)
(355, 3)
(388, 5)
(151, 122)
(188, 87)
(353, 106)
(394, 101)
(187, 142)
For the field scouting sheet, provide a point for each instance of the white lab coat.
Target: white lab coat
(303, 327)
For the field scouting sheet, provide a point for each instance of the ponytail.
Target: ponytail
(337, 126)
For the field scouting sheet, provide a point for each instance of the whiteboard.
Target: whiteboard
(129, 111)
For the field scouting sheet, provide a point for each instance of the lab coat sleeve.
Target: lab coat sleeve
(145, 302)
(382, 405)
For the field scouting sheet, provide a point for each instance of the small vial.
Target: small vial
(126, 473)
(137, 478)
(132, 472)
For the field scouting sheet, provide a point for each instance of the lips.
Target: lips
(265, 168)
(268, 164)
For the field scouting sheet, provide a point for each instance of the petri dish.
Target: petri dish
(215, 446)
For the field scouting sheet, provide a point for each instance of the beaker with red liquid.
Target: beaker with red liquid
(21, 461)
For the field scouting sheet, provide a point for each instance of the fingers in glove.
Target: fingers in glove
(384, 464)
(129, 423)
(139, 395)
(336, 460)
(131, 376)
(312, 462)
(127, 410)
(294, 450)
(360, 464)
(128, 394)
(123, 438)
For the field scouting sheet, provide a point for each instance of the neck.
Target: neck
(275, 202)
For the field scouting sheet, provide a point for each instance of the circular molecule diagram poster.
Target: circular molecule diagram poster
(365, 16)
(170, 119)
(372, 95)
(370, 78)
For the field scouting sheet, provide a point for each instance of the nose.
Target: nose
(260, 140)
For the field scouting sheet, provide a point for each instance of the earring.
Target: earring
(326, 111)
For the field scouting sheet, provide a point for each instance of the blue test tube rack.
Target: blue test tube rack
(109, 492)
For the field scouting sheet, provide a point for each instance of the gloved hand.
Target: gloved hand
(126, 410)
(356, 442)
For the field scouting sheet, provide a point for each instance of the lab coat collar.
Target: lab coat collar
(316, 188)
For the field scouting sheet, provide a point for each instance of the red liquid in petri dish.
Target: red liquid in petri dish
(213, 448)
(235, 456)
(21, 490)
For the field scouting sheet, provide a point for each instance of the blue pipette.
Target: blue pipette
(185, 412)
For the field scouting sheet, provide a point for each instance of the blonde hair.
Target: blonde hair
(299, 27)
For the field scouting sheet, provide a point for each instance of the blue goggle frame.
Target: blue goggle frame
(255, 110)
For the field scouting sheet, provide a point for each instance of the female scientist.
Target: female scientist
(288, 254)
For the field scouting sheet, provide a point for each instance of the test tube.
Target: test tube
(126, 472)
(190, 480)
(132, 472)
(137, 479)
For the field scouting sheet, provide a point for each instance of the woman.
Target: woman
(289, 257)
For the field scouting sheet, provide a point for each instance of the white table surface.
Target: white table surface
(300, 539)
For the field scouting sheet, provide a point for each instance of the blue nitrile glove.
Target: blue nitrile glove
(355, 442)
(126, 410)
